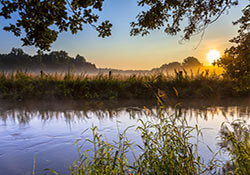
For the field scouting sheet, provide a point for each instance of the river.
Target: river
(48, 130)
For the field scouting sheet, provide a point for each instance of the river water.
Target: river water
(48, 130)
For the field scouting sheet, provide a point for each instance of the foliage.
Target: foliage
(191, 62)
(37, 17)
(53, 61)
(170, 14)
(236, 60)
(21, 85)
(171, 66)
(167, 148)
(42, 21)
(236, 140)
(188, 63)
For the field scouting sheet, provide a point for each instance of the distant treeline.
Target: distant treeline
(188, 63)
(17, 59)
(60, 61)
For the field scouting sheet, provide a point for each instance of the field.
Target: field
(21, 85)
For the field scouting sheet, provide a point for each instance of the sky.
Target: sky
(122, 51)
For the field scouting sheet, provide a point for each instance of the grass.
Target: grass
(21, 85)
(167, 148)
(236, 141)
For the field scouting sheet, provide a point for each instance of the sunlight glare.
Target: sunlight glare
(213, 55)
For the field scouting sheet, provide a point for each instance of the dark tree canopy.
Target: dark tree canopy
(54, 61)
(169, 14)
(42, 20)
(236, 60)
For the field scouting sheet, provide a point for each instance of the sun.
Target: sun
(213, 55)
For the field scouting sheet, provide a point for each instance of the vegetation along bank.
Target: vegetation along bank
(20, 85)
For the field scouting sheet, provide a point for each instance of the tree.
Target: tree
(171, 66)
(191, 62)
(236, 60)
(80, 58)
(17, 59)
(17, 52)
(43, 20)
(170, 14)
(36, 18)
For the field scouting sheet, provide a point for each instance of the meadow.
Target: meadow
(23, 85)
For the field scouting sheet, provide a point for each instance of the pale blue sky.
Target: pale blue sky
(128, 52)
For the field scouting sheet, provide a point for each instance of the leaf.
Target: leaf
(52, 171)
(176, 92)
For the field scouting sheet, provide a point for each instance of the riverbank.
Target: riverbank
(21, 86)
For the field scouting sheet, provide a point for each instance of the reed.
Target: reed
(23, 85)
(167, 148)
(235, 139)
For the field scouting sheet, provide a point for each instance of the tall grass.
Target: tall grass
(236, 141)
(168, 147)
(21, 85)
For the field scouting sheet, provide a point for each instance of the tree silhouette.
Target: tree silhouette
(53, 61)
(35, 18)
(236, 59)
(191, 62)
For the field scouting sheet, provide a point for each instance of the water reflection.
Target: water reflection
(48, 129)
(24, 115)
